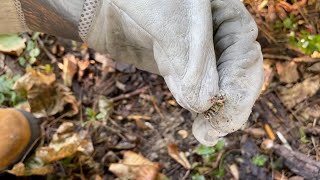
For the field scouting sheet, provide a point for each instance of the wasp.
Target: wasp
(217, 105)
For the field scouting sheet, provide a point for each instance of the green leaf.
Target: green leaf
(287, 23)
(35, 35)
(22, 61)
(198, 177)
(219, 173)
(220, 145)
(90, 113)
(260, 160)
(34, 52)
(7, 95)
(100, 116)
(303, 136)
(11, 43)
(32, 60)
(30, 45)
(204, 150)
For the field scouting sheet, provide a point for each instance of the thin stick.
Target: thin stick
(128, 95)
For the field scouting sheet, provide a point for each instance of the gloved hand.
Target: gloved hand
(200, 52)
(175, 39)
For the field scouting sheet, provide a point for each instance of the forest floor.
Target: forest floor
(103, 119)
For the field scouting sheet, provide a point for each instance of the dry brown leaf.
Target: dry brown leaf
(83, 65)
(21, 170)
(183, 133)
(299, 92)
(296, 178)
(315, 55)
(288, 72)
(65, 143)
(256, 132)
(314, 68)
(234, 171)
(134, 172)
(69, 68)
(132, 158)
(108, 65)
(179, 156)
(279, 176)
(141, 124)
(45, 96)
(135, 166)
(268, 74)
(312, 111)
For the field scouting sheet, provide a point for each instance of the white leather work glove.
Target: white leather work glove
(200, 52)
(175, 39)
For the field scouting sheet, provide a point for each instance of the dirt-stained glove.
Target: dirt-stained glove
(239, 62)
(200, 52)
(171, 38)
(174, 39)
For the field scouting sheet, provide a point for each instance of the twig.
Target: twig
(30, 148)
(306, 59)
(186, 175)
(128, 95)
(299, 163)
(314, 141)
(270, 38)
(50, 56)
(155, 105)
(281, 57)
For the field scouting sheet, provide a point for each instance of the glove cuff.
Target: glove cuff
(87, 16)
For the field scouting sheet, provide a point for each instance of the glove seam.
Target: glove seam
(21, 16)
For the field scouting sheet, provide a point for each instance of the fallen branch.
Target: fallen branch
(299, 163)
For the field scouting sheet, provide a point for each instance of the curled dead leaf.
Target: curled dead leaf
(69, 68)
(314, 68)
(65, 143)
(45, 96)
(312, 111)
(83, 65)
(235, 171)
(135, 167)
(286, 76)
(179, 156)
(20, 169)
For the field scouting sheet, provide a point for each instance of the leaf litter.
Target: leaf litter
(94, 81)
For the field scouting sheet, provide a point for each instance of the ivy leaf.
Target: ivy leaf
(12, 44)
(34, 52)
